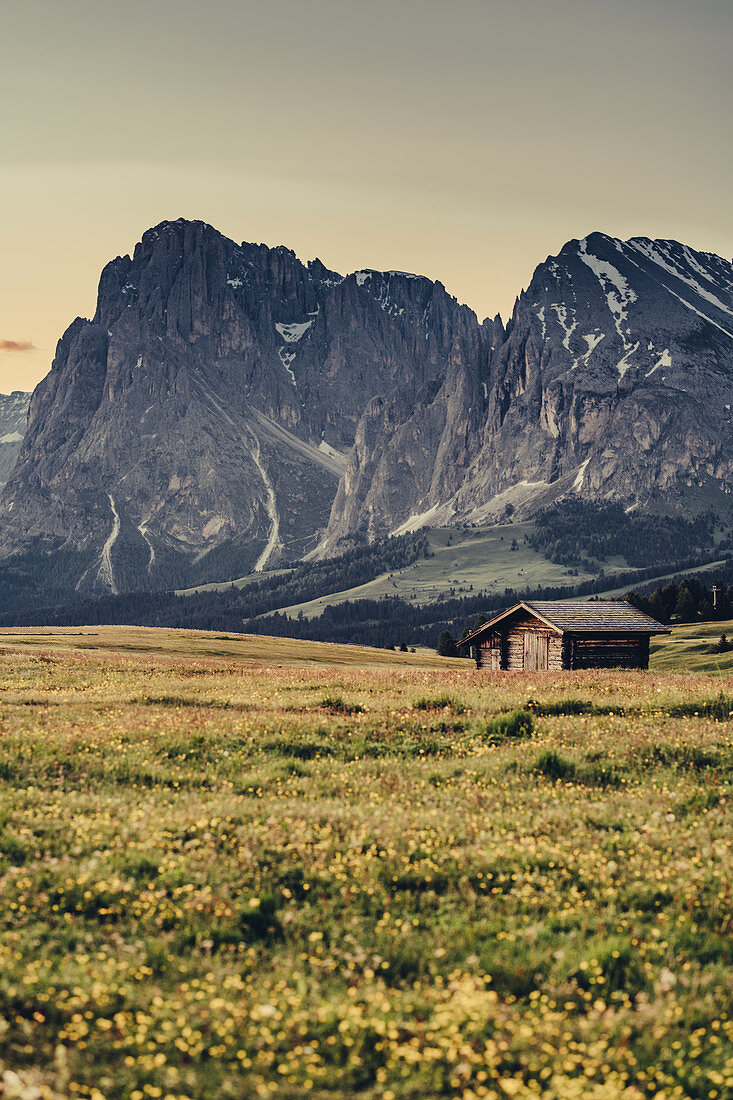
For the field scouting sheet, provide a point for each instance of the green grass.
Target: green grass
(478, 557)
(474, 559)
(226, 875)
(207, 646)
(689, 648)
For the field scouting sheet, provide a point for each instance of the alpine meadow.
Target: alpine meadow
(366, 550)
(237, 867)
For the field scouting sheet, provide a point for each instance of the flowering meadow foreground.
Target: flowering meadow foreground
(227, 879)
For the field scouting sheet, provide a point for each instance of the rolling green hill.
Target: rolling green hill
(687, 649)
(461, 561)
(462, 558)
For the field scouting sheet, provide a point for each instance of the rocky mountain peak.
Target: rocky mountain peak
(229, 407)
(205, 412)
(613, 377)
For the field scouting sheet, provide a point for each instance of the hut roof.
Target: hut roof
(581, 617)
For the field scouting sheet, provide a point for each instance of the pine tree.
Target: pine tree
(447, 645)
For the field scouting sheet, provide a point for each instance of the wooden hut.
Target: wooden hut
(557, 634)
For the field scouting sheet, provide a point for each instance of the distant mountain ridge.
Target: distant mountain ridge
(614, 379)
(229, 407)
(13, 419)
(206, 410)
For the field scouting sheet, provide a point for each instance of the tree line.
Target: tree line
(257, 606)
(211, 609)
(690, 599)
(582, 533)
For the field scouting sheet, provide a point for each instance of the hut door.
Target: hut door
(535, 650)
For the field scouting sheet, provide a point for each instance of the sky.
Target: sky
(461, 139)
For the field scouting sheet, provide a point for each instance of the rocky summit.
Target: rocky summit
(229, 408)
(613, 379)
(199, 424)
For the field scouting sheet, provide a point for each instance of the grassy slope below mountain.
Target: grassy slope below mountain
(165, 645)
(565, 545)
(688, 649)
(463, 560)
(709, 567)
(403, 591)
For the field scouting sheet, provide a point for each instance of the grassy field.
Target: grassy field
(231, 871)
(461, 559)
(205, 644)
(688, 648)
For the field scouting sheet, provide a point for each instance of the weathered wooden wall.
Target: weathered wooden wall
(541, 642)
(609, 651)
(491, 653)
(524, 642)
(506, 648)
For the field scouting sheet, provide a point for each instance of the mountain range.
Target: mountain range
(229, 408)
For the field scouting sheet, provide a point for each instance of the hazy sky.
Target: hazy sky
(460, 139)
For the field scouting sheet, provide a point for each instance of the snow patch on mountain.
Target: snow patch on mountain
(665, 360)
(286, 358)
(294, 332)
(619, 297)
(271, 506)
(593, 339)
(142, 528)
(661, 254)
(578, 483)
(106, 572)
(562, 316)
(699, 312)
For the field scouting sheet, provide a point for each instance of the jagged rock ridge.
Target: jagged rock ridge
(614, 378)
(201, 419)
(229, 407)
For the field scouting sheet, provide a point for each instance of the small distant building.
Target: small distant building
(564, 634)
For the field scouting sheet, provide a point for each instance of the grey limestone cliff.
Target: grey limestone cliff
(13, 420)
(228, 407)
(202, 417)
(614, 379)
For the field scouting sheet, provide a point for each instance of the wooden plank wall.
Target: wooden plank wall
(556, 661)
(523, 624)
(505, 649)
(502, 650)
(610, 652)
(515, 647)
(490, 653)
